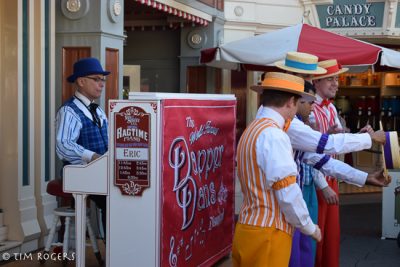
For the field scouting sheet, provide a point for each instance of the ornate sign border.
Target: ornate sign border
(132, 148)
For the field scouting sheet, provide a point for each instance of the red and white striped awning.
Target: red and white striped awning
(180, 10)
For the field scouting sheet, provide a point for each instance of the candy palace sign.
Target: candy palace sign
(349, 16)
(197, 183)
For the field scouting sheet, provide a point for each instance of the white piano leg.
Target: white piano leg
(66, 235)
(80, 229)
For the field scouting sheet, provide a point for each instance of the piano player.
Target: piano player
(81, 125)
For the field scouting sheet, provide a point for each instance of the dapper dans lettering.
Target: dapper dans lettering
(188, 165)
(197, 233)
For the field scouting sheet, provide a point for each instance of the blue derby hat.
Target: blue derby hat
(85, 67)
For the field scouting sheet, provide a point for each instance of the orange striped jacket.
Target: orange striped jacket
(260, 206)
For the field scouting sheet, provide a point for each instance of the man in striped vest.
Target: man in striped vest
(304, 138)
(273, 204)
(81, 125)
(325, 117)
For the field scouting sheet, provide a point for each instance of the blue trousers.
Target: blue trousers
(304, 247)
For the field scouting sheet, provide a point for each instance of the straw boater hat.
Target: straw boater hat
(300, 63)
(333, 68)
(283, 82)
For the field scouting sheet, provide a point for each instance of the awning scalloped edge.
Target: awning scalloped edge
(174, 11)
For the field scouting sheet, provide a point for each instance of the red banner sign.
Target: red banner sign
(132, 150)
(197, 181)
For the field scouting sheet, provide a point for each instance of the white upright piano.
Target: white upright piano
(169, 181)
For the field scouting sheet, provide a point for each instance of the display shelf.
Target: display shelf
(361, 87)
(352, 91)
(392, 86)
(390, 90)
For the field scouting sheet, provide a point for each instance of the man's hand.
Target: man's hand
(317, 234)
(367, 129)
(378, 136)
(95, 156)
(346, 130)
(330, 196)
(334, 129)
(378, 178)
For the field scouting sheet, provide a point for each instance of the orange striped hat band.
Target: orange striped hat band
(279, 83)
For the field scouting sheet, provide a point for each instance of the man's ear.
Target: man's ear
(294, 100)
(290, 102)
(79, 81)
(315, 82)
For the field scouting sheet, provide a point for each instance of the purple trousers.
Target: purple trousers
(302, 254)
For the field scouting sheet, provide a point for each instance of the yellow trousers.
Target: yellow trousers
(255, 246)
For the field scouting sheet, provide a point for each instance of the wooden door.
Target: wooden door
(239, 89)
(196, 79)
(69, 56)
(112, 84)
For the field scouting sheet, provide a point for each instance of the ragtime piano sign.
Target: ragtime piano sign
(132, 150)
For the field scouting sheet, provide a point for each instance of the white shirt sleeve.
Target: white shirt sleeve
(68, 127)
(304, 138)
(319, 180)
(275, 158)
(344, 172)
(337, 169)
(293, 206)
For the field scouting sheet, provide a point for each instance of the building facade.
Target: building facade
(39, 42)
(149, 45)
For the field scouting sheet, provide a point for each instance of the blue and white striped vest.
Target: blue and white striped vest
(91, 137)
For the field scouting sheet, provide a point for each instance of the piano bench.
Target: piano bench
(55, 188)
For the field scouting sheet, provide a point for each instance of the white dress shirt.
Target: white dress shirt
(275, 157)
(304, 138)
(68, 128)
(337, 169)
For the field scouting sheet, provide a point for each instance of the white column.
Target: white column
(26, 197)
(8, 117)
(47, 202)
